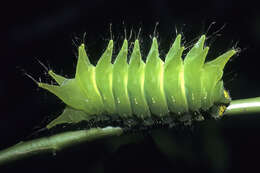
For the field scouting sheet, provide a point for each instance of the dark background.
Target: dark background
(51, 31)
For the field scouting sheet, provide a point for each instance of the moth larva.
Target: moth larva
(143, 89)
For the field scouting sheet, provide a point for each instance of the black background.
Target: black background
(50, 31)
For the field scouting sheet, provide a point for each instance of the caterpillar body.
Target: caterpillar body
(143, 90)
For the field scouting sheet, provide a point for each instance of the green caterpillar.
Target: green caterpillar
(141, 89)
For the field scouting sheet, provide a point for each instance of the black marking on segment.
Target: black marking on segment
(131, 124)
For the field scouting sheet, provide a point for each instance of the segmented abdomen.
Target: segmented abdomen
(144, 89)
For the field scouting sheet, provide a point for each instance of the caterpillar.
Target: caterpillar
(174, 90)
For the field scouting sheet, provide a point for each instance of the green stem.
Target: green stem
(60, 141)
(244, 106)
(55, 143)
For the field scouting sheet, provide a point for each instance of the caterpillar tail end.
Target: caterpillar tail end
(52, 88)
(59, 79)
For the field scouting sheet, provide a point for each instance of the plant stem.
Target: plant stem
(55, 143)
(243, 106)
(60, 141)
